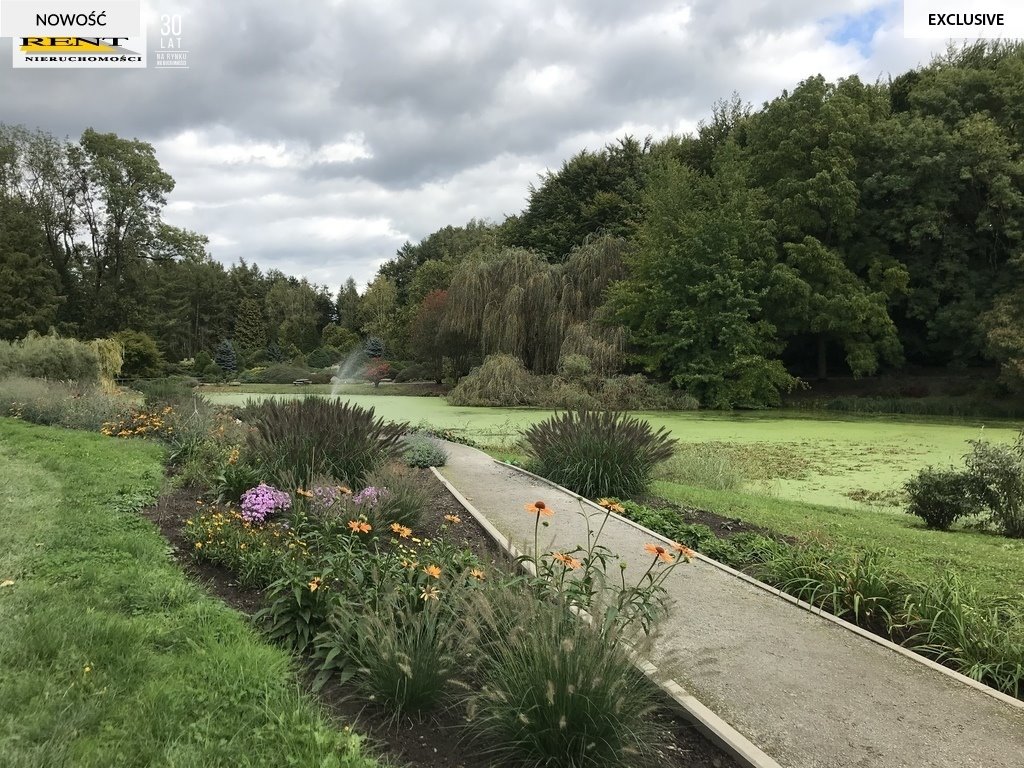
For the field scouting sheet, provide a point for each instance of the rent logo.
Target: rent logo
(99, 34)
(96, 52)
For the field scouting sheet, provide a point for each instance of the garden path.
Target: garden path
(810, 692)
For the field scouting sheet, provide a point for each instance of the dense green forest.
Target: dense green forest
(842, 228)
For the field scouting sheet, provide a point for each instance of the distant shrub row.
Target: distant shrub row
(502, 380)
(49, 357)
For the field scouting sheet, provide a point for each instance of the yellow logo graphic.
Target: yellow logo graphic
(71, 46)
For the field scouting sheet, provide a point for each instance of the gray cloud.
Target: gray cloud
(315, 137)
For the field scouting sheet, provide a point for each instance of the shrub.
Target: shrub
(555, 690)
(166, 391)
(141, 357)
(61, 404)
(414, 372)
(404, 502)
(299, 605)
(951, 624)
(501, 381)
(297, 440)
(225, 357)
(997, 478)
(940, 497)
(637, 393)
(278, 373)
(424, 451)
(49, 357)
(597, 454)
(376, 371)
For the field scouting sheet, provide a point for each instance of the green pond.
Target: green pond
(827, 459)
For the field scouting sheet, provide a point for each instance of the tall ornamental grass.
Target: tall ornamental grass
(75, 406)
(554, 690)
(597, 454)
(49, 357)
(295, 441)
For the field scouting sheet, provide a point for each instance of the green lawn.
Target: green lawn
(109, 656)
(995, 564)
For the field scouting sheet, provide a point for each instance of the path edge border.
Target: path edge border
(738, 746)
(905, 652)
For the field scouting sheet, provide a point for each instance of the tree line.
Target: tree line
(843, 227)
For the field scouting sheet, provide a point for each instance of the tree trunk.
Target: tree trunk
(822, 357)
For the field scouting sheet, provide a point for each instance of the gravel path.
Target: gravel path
(809, 692)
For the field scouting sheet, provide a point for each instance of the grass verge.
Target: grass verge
(109, 655)
(993, 564)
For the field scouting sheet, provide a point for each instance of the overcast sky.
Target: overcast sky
(318, 136)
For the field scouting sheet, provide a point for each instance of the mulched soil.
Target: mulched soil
(723, 527)
(438, 742)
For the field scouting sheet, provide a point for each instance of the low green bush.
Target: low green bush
(597, 454)
(996, 474)
(949, 622)
(49, 357)
(637, 393)
(61, 404)
(424, 451)
(281, 373)
(940, 497)
(293, 442)
(166, 391)
(414, 372)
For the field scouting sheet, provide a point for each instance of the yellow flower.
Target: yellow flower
(433, 571)
(314, 585)
(199, 545)
(611, 506)
(539, 508)
(477, 574)
(453, 519)
(301, 492)
(430, 593)
(401, 530)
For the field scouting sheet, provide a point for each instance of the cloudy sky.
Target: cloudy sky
(318, 136)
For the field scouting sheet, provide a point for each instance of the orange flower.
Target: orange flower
(401, 530)
(539, 508)
(314, 585)
(301, 492)
(659, 552)
(611, 506)
(683, 551)
(433, 571)
(359, 526)
(453, 519)
(569, 562)
(477, 574)
(344, 489)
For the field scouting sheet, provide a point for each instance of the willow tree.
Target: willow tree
(514, 302)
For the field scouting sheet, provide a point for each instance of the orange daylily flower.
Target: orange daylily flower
(659, 552)
(568, 561)
(683, 550)
(611, 506)
(453, 519)
(359, 526)
(539, 508)
(401, 530)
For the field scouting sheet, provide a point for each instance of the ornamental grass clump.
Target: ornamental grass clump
(557, 691)
(597, 453)
(295, 441)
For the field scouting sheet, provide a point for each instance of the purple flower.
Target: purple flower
(262, 501)
(370, 496)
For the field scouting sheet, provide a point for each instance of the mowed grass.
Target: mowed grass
(109, 656)
(993, 563)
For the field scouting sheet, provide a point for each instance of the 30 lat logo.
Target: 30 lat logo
(171, 54)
